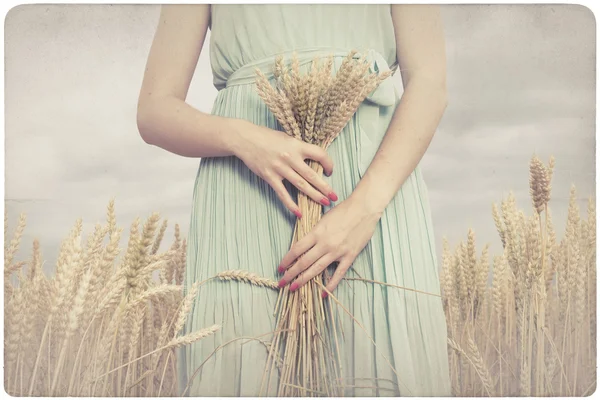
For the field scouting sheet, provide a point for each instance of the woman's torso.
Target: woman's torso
(244, 33)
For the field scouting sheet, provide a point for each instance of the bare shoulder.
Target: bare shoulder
(178, 41)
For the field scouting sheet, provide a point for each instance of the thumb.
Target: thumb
(318, 154)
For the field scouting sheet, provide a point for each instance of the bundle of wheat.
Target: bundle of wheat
(314, 108)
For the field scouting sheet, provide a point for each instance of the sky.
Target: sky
(521, 81)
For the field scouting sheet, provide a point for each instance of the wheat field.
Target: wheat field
(102, 325)
(107, 322)
(532, 331)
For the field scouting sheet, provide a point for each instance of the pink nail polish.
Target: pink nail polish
(294, 286)
(332, 196)
(324, 294)
(280, 269)
(282, 282)
(324, 201)
(297, 213)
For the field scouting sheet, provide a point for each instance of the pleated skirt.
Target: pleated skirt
(237, 222)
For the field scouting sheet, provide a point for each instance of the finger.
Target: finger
(298, 248)
(315, 180)
(316, 153)
(284, 196)
(339, 273)
(297, 180)
(305, 261)
(315, 269)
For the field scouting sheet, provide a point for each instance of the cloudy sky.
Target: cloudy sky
(521, 80)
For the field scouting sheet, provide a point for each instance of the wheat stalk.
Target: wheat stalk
(247, 276)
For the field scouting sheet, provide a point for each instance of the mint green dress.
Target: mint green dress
(238, 222)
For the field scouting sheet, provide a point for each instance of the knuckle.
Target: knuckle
(286, 196)
(308, 174)
(302, 265)
(338, 274)
(328, 246)
(317, 235)
(324, 240)
(308, 151)
(289, 199)
(276, 187)
(341, 269)
(345, 266)
(344, 248)
(284, 155)
(283, 196)
(295, 264)
(269, 177)
(306, 265)
(277, 165)
(300, 183)
(340, 249)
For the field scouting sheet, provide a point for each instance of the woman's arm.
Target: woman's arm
(421, 54)
(164, 119)
(345, 230)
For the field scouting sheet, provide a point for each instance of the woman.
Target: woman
(377, 222)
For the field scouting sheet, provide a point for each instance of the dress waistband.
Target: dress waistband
(247, 74)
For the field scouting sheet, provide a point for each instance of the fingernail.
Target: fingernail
(324, 294)
(332, 196)
(294, 286)
(297, 213)
(324, 201)
(280, 269)
(282, 282)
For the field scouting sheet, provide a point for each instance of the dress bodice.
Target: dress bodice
(241, 34)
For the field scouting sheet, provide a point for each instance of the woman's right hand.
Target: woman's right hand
(274, 156)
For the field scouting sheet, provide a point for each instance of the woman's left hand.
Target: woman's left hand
(340, 235)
